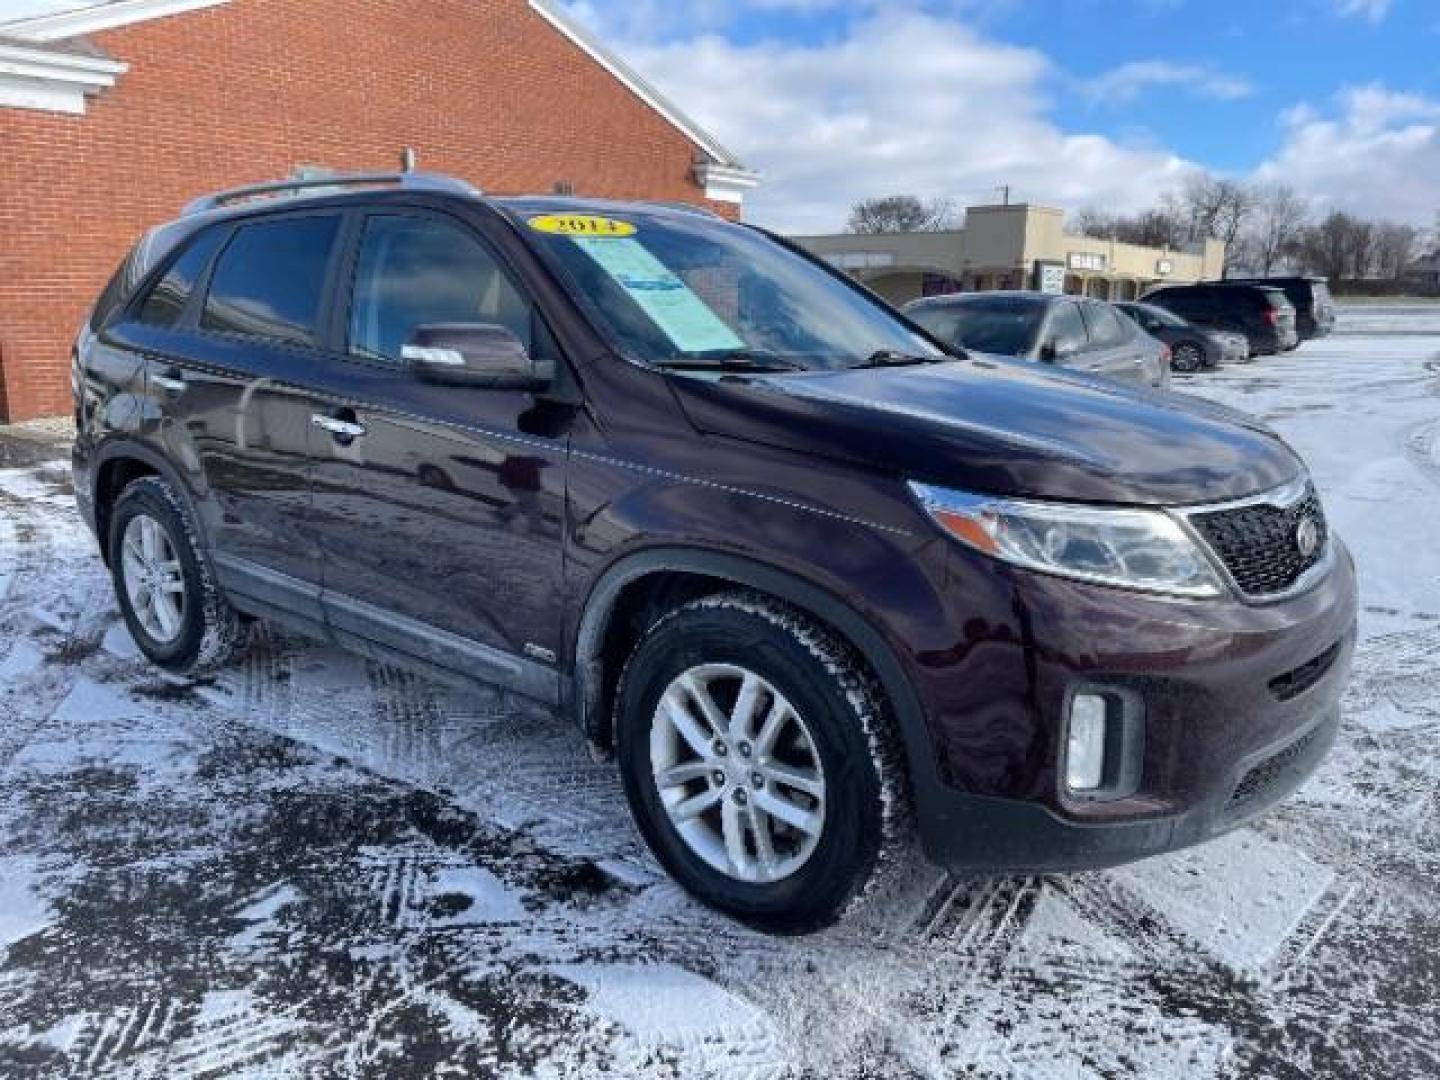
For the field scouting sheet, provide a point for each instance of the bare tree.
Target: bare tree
(1096, 224)
(1338, 247)
(900, 213)
(1215, 208)
(1274, 235)
(1160, 227)
(1393, 247)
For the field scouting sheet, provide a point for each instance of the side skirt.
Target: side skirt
(379, 634)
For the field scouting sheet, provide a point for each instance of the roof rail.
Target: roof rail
(413, 181)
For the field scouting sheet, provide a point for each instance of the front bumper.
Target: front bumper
(1218, 744)
(980, 833)
(1233, 348)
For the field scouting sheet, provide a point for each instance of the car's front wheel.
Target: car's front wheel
(758, 760)
(163, 584)
(1187, 357)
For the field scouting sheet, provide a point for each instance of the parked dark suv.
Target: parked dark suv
(1262, 314)
(1310, 296)
(813, 580)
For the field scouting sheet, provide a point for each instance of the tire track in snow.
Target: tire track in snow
(105, 1042)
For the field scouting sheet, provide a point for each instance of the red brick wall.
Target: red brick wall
(484, 89)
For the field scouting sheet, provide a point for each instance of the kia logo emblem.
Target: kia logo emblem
(1307, 537)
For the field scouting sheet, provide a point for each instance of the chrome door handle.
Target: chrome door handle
(171, 384)
(344, 429)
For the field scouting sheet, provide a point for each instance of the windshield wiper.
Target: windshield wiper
(895, 358)
(739, 360)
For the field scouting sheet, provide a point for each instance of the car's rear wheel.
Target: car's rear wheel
(758, 761)
(163, 584)
(1187, 357)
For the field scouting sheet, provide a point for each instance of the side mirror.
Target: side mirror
(483, 355)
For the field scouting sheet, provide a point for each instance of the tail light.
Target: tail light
(1166, 355)
(1272, 316)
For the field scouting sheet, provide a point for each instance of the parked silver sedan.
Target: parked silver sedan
(1068, 331)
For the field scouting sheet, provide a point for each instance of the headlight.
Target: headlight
(1146, 550)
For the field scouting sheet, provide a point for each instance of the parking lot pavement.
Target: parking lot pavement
(314, 865)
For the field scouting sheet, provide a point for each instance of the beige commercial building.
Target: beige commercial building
(1011, 247)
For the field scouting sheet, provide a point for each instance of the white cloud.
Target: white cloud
(903, 102)
(1376, 151)
(1374, 10)
(1128, 82)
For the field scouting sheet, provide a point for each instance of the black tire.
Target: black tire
(211, 633)
(1187, 357)
(866, 811)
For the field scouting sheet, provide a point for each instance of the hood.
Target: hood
(1002, 427)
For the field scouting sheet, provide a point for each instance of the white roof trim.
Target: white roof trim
(51, 81)
(725, 183)
(556, 17)
(91, 20)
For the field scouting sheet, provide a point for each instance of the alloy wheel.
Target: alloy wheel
(1187, 358)
(738, 773)
(154, 578)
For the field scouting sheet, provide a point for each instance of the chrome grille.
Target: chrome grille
(1258, 541)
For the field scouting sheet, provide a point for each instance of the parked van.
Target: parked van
(1314, 306)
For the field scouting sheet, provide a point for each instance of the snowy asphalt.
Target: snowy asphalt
(315, 865)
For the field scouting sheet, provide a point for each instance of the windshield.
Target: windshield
(691, 290)
(1004, 326)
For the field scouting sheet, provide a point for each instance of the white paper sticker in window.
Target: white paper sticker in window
(671, 305)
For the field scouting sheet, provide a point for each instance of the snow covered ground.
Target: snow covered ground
(314, 865)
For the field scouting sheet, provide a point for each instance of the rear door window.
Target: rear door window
(168, 296)
(270, 280)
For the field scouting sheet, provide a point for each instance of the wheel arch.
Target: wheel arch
(693, 572)
(119, 463)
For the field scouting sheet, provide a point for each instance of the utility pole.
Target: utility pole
(1004, 190)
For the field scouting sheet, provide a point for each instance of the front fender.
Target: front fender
(859, 631)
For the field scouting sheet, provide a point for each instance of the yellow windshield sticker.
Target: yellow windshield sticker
(581, 225)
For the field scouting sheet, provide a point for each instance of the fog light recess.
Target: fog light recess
(1085, 749)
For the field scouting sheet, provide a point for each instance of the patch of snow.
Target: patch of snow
(1239, 897)
(118, 642)
(659, 1002)
(22, 659)
(490, 900)
(22, 911)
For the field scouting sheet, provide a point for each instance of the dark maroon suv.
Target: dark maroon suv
(818, 584)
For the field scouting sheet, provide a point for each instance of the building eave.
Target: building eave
(552, 13)
(725, 183)
(91, 20)
(38, 78)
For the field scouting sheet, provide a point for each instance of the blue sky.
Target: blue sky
(1107, 102)
(1301, 50)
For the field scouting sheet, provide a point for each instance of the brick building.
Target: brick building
(114, 114)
